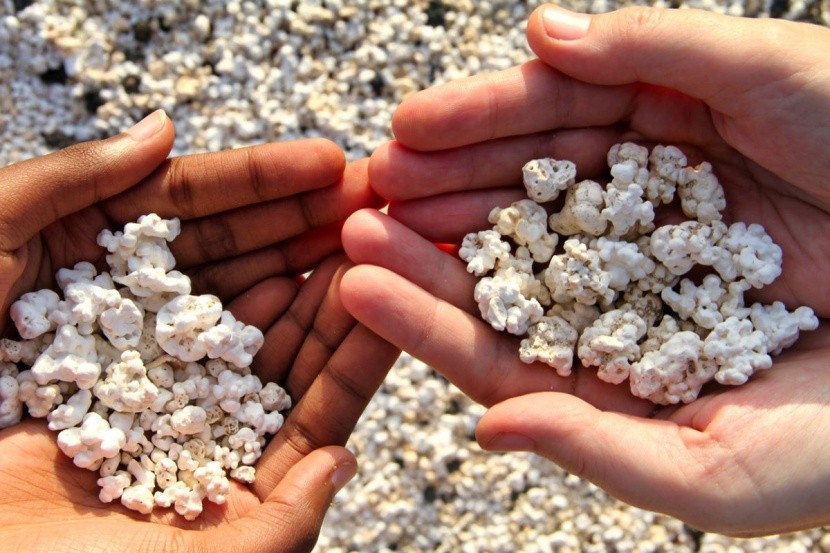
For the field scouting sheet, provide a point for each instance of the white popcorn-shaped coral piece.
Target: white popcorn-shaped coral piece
(31, 313)
(24, 351)
(780, 326)
(483, 250)
(701, 195)
(11, 407)
(190, 419)
(675, 372)
(577, 275)
(231, 387)
(166, 471)
(680, 247)
(211, 477)
(666, 164)
(582, 211)
(755, 257)
(545, 178)
(526, 223)
(123, 324)
(645, 304)
(194, 387)
(698, 303)
(143, 473)
(83, 271)
(180, 321)
(623, 261)
(657, 334)
(628, 151)
(138, 498)
(141, 244)
(244, 473)
(70, 358)
(503, 305)
(738, 349)
(113, 486)
(185, 500)
(246, 441)
(611, 344)
(578, 315)
(155, 282)
(72, 412)
(253, 414)
(274, 397)
(126, 387)
(551, 341)
(627, 210)
(660, 276)
(520, 267)
(84, 302)
(732, 301)
(160, 372)
(147, 345)
(39, 400)
(232, 340)
(91, 442)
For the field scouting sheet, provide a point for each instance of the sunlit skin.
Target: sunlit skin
(752, 97)
(252, 220)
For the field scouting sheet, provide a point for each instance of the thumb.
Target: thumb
(291, 516)
(712, 57)
(39, 191)
(644, 462)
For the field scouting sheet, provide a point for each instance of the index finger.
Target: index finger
(525, 99)
(203, 184)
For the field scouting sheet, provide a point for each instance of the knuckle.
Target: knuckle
(639, 21)
(179, 186)
(256, 177)
(215, 239)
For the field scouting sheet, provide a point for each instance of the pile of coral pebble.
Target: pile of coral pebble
(613, 292)
(146, 384)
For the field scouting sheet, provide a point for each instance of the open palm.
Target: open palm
(253, 221)
(747, 460)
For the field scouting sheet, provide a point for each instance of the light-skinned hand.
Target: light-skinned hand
(253, 219)
(750, 96)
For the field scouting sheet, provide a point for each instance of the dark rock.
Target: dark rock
(142, 31)
(20, 5)
(454, 407)
(56, 75)
(163, 25)
(57, 139)
(779, 8)
(813, 13)
(131, 84)
(436, 13)
(753, 8)
(377, 83)
(695, 535)
(92, 101)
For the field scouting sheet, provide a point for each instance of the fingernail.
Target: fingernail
(509, 442)
(562, 24)
(149, 126)
(342, 475)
